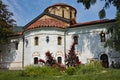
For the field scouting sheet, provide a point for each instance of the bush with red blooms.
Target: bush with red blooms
(72, 59)
(49, 59)
(41, 61)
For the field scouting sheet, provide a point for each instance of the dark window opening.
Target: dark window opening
(16, 45)
(47, 39)
(59, 60)
(104, 60)
(63, 12)
(59, 40)
(75, 39)
(36, 40)
(70, 14)
(36, 60)
(102, 36)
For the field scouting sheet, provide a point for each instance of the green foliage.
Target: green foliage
(87, 4)
(114, 41)
(32, 70)
(102, 14)
(104, 74)
(118, 19)
(70, 70)
(93, 67)
(72, 59)
(6, 23)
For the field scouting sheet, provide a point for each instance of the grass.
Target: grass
(85, 72)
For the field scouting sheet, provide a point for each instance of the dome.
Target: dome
(61, 4)
(62, 10)
(58, 15)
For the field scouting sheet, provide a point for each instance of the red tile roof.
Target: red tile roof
(15, 34)
(92, 23)
(48, 22)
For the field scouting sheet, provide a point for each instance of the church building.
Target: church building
(55, 30)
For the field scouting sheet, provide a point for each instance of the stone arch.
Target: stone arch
(104, 60)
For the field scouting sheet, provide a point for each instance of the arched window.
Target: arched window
(36, 60)
(102, 37)
(70, 14)
(59, 40)
(59, 59)
(36, 40)
(47, 39)
(54, 11)
(63, 12)
(75, 39)
(16, 45)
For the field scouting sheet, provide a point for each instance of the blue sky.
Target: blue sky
(26, 10)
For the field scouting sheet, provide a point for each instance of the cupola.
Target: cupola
(62, 10)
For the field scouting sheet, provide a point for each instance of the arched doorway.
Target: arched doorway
(104, 60)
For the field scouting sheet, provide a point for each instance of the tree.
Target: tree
(102, 12)
(6, 22)
(114, 41)
(72, 59)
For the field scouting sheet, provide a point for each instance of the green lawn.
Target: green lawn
(106, 74)
(83, 72)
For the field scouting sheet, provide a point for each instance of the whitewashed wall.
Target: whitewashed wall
(10, 57)
(31, 51)
(89, 43)
(89, 46)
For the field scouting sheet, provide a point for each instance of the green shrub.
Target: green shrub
(93, 67)
(70, 70)
(32, 70)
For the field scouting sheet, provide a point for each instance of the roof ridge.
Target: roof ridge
(93, 22)
(46, 13)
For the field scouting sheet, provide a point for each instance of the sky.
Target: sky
(26, 10)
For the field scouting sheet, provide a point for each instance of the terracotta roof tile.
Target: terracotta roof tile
(15, 34)
(92, 22)
(48, 22)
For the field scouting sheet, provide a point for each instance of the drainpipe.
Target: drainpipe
(65, 44)
(23, 53)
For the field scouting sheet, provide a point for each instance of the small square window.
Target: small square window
(47, 39)
(59, 40)
(75, 39)
(36, 39)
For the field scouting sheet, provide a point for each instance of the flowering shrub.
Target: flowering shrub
(72, 59)
(41, 60)
(50, 60)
